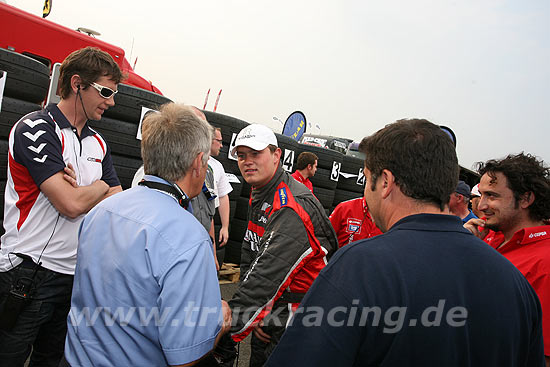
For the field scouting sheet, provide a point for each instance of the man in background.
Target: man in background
(515, 202)
(475, 196)
(352, 222)
(222, 187)
(306, 167)
(458, 203)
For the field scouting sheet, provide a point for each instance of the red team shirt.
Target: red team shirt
(352, 222)
(529, 251)
(298, 177)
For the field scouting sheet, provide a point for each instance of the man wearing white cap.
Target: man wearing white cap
(288, 241)
(475, 196)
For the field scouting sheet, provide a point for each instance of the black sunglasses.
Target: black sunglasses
(104, 92)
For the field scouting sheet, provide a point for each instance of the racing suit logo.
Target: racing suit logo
(252, 238)
(283, 196)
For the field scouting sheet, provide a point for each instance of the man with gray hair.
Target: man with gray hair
(145, 270)
(458, 202)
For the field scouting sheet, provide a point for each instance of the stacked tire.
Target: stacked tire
(26, 87)
(351, 183)
(325, 181)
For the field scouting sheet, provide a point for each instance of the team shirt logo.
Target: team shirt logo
(532, 235)
(353, 226)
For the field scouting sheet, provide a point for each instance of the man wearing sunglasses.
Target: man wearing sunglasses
(58, 169)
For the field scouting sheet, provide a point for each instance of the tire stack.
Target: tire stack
(238, 198)
(325, 181)
(119, 126)
(351, 183)
(26, 87)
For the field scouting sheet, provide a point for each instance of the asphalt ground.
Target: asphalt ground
(227, 291)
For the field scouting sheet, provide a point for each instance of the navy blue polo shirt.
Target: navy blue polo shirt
(426, 293)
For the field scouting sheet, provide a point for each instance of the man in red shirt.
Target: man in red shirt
(352, 222)
(515, 200)
(306, 166)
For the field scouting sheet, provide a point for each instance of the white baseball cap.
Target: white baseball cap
(475, 191)
(254, 136)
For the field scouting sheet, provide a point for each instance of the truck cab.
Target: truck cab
(51, 43)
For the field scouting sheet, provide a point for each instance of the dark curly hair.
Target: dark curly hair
(524, 173)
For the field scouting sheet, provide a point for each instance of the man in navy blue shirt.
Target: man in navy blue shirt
(426, 292)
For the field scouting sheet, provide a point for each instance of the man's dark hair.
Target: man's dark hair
(305, 159)
(90, 63)
(420, 156)
(524, 173)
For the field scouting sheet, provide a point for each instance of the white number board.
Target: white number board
(335, 173)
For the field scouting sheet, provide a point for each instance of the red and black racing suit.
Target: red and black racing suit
(287, 243)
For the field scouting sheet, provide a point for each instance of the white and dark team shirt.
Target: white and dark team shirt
(41, 144)
(222, 186)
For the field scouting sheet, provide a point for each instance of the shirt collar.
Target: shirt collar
(303, 179)
(524, 236)
(430, 222)
(63, 123)
(162, 180)
(530, 235)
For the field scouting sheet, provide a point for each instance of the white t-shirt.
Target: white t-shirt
(138, 176)
(222, 186)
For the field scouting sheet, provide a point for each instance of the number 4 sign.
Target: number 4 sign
(288, 160)
(360, 178)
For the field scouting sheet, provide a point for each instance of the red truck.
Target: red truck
(49, 42)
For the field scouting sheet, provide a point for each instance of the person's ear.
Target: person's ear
(76, 83)
(197, 164)
(277, 154)
(527, 199)
(388, 182)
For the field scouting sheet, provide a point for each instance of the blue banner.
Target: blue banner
(295, 125)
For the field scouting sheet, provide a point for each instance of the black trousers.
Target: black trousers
(42, 323)
(274, 325)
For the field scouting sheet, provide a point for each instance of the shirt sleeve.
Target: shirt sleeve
(223, 186)
(109, 174)
(319, 322)
(190, 296)
(37, 147)
(336, 221)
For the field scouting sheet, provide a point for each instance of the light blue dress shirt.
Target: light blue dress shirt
(145, 290)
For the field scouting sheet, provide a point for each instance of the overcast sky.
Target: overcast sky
(479, 67)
